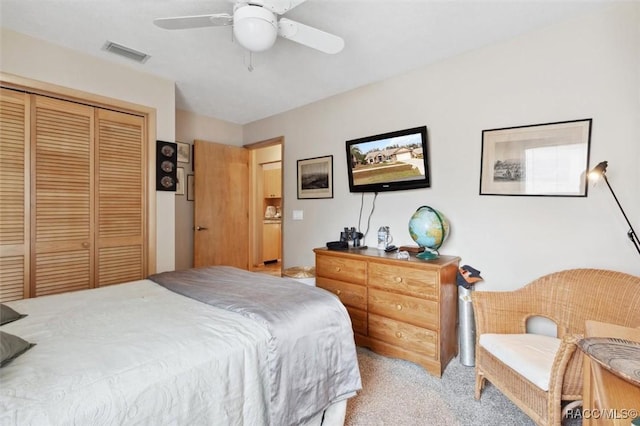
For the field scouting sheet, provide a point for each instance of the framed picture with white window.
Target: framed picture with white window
(550, 159)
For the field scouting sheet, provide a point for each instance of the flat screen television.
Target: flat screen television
(389, 162)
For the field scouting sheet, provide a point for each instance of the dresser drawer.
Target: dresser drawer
(403, 335)
(354, 295)
(342, 269)
(420, 312)
(411, 281)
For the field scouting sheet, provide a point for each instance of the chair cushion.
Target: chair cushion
(530, 355)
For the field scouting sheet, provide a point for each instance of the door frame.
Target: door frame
(254, 215)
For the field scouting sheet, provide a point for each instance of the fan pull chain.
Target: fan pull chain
(250, 67)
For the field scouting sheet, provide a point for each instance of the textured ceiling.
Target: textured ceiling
(382, 38)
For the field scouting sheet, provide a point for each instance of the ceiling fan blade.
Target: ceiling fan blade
(197, 21)
(279, 7)
(310, 36)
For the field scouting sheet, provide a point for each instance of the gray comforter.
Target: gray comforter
(312, 356)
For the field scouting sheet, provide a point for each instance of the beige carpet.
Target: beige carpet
(400, 393)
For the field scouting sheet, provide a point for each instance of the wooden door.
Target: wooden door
(120, 198)
(221, 209)
(62, 154)
(14, 195)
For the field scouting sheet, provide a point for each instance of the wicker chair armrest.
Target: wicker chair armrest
(501, 312)
(559, 375)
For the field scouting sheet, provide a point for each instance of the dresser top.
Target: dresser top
(380, 254)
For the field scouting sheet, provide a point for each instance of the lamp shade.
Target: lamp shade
(255, 28)
(599, 170)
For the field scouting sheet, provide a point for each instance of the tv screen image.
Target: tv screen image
(389, 162)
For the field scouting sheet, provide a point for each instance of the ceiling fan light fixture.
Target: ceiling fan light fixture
(255, 28)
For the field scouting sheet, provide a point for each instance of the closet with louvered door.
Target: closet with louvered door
(62, 249)
(120, 202)
(72, 196)
(14, 195)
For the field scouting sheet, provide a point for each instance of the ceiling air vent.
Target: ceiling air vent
(127, 52)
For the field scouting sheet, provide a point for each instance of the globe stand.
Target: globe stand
(428, 254)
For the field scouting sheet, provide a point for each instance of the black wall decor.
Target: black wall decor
(166, 166)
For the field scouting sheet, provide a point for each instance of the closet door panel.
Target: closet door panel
(121, 194)
(14, 195)
(62, 196)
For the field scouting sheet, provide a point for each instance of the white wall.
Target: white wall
(36, 59)
(588, 67)
(190, 126)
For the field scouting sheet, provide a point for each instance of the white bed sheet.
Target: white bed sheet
(134, 354)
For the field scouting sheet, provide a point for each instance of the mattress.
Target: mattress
(138, 353)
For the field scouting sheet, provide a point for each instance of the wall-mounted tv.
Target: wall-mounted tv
(389, 162)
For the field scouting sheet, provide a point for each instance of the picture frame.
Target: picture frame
(549, 159)
(315, 177)
(190, 188)
(166, 163)
(180, 182)
(184, 152)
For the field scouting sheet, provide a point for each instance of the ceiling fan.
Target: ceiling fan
(257, 24)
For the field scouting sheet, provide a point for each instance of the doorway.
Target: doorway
(266, 205)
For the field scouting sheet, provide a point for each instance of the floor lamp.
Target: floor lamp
(601, 171)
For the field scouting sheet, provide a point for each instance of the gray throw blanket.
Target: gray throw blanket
(312, 357)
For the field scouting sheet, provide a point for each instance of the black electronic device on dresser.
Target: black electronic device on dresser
(166, 166)
(350, 238)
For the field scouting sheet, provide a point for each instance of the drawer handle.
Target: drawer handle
(398, 279)
(338, 292)
(337, 269)
(399, 307)
(85, 245)
(399, 334)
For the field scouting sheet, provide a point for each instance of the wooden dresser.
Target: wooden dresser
(399, 308)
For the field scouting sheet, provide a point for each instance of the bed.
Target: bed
(210, 346)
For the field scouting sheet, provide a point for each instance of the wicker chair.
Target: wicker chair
(568, 298)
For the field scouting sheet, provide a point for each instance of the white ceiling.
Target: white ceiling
(382, 38)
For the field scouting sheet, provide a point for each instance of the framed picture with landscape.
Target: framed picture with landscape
(550, 159)
(315, 177)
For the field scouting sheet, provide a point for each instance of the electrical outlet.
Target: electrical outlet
(298, 214)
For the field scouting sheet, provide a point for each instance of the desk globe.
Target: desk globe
(429, 229)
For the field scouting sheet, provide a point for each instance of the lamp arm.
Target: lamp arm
(632, 233)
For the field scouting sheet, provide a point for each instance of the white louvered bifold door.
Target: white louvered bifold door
(62, 197)
(121, 197)
(14, 195)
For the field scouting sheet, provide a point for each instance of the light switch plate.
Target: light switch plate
(298, 214)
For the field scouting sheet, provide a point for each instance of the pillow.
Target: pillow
(12, 347)
(8, 315)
